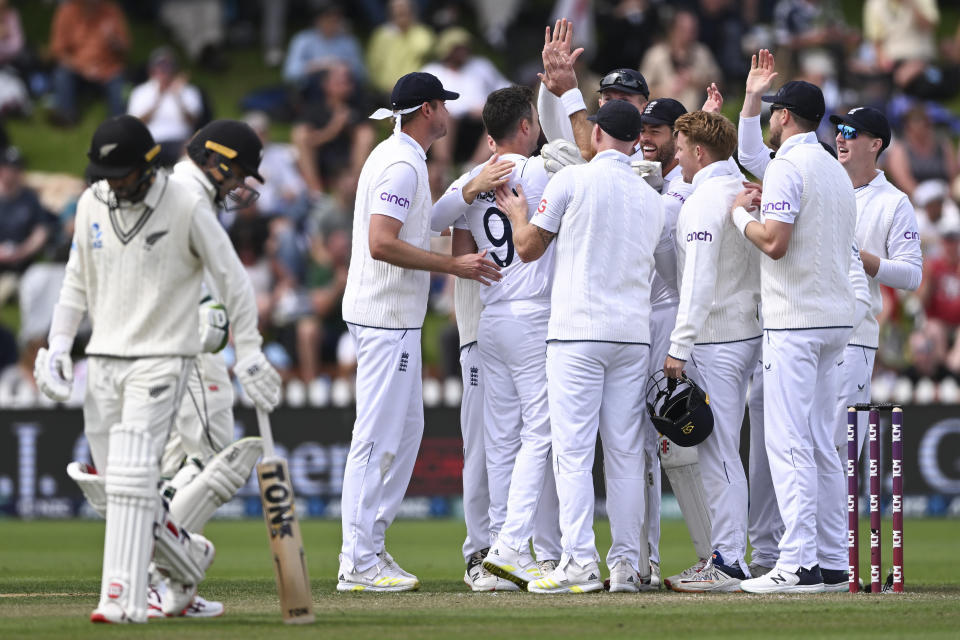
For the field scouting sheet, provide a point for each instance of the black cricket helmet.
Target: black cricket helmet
(120, 146)
(679, 409)
(228, 141)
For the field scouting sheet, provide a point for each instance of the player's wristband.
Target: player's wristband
(741, 219)
(572, 101)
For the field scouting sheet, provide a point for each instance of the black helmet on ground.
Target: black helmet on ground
(123, 153)
(222, 147)
(679, 409)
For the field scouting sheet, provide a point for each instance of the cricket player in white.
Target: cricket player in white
(467, 306)
(512, 339)
(717, 328)
(384, 304)
(608, 223)
(889, 247)
(137, 226)
(813, 292)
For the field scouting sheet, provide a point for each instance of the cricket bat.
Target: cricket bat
(286, 543)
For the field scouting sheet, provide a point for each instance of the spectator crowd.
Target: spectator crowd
(338, 61)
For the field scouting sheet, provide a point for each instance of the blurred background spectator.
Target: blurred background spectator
(680, 67)
(89, 41)
(919, 154)
(398, 47)
(198, 27)
(334, 135)
(24, 224)
(169, 106)
(328, 41)
(473, 77)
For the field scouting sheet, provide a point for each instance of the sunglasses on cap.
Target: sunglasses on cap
(848, 132)
(620, 78)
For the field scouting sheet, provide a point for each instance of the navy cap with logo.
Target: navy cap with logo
(416, 88)
(119, 146)
(232, 139)
(626, 80)
(618, 118)
(662, 111)
(800, 97)
(868, 120)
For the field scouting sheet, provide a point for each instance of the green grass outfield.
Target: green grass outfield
(49, 581)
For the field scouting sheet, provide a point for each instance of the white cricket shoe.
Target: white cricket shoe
(569, 578)
(393, 567)
(715, 577)
(623, 577)
(780, 581)
(378, 578)
(179, 595)
(110, 612)
(479, 579)
(510, 564)
(686, 573)
(199, 608)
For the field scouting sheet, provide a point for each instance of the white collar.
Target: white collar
(190, 169)
(796, 139)
(612, 154)
(403, 137)
(718, 168)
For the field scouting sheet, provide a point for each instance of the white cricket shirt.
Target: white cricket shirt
(609, 224)
(719, 268)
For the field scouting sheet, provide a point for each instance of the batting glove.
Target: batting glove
(649, 170)
(53, 372)
(214, 325)
(259, 380)
(559, 154)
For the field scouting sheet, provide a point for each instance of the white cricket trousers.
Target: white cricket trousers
(128, 412)
(513, 349)
(725, 370)
(593, 388)
(385, 441)
(476, 493)
(856, 373)
(799, 394)
(765, 525)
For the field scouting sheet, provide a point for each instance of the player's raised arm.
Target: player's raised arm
(752, 153)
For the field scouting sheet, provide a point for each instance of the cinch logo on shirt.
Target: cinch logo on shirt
(911, 235)
(783, 205)
(543, 206)
(700, 235)
(677, 196)
(392, 198)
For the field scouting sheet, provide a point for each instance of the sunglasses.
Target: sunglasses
(623, 79)
(776, 107)
(848, 132)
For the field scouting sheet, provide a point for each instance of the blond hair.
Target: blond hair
(712, 131)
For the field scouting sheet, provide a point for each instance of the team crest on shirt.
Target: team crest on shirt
(474, 376)
(404, 360)
(96, 236)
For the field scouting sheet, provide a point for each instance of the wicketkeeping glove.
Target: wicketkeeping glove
(214, 325)
(649, 170)
(259, 380)
(53, 372)
(559, 154)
